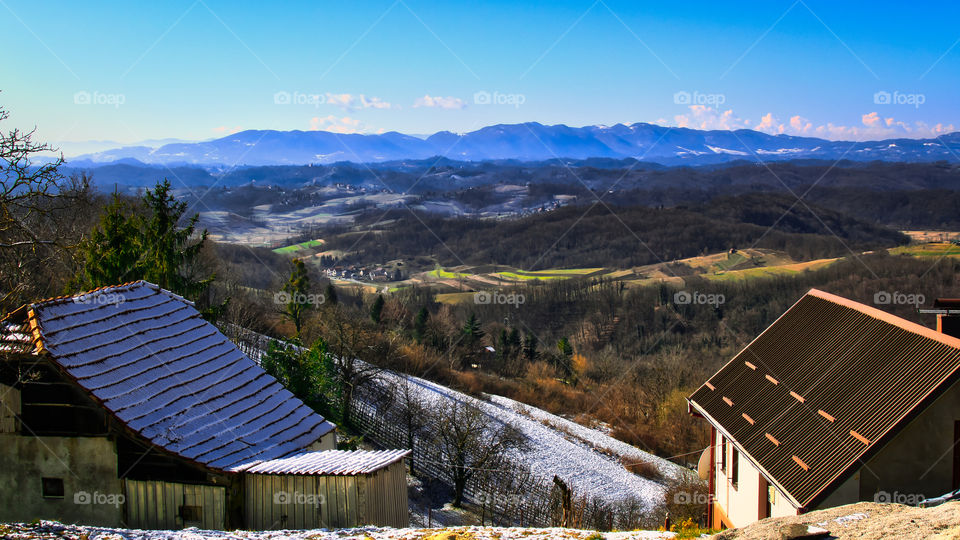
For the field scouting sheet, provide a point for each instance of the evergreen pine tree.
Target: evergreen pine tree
(420, 325)
(295, 299)
(330, 295)
(168, 248)
(472, 332)
(530, 347)
(376, 310)
(111, 253)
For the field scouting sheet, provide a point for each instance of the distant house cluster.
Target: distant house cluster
(363, 273)
(123, 407)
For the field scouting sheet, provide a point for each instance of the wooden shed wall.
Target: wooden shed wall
(311, 502)
(152, 504)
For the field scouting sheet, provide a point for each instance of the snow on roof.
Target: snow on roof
(14, 338)
(327, 463)
(148, 357)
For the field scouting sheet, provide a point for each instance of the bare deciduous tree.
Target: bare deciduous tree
(414, 415)
(39, 214)
(470, 442)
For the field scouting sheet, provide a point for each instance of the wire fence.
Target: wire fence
(508, 494)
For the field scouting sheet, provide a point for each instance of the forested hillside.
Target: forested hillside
(594, 234)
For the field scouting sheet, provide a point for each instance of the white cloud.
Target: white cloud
(355, 102)
(872, 125)
(800, 125)
(769, 124)
(224, 130)
(439, 102)
(344, 125)
(705, 117)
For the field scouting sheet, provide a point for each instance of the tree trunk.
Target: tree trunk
(458, 488)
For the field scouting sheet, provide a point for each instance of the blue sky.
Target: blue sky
(199, 69)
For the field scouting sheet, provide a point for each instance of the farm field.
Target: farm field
(302, 246)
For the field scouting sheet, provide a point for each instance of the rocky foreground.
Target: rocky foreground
(861, 521)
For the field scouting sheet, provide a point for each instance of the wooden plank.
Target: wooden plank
(300, 508)
(350, 487)
(363, 511)
(341, 490)
(324, 512)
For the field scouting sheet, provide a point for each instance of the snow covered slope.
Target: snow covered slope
(587, 459)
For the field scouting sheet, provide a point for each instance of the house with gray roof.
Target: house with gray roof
(123, 407)
(836, 402)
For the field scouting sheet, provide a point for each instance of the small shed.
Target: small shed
(123, 407)
(331, 489)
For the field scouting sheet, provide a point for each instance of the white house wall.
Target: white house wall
(742, 505)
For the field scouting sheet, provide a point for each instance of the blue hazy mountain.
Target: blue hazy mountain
(527, 142)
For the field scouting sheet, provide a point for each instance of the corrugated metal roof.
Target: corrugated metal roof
(327, 463)
(150, 359)
(823, 384)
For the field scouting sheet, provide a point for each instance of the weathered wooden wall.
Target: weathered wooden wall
(309, 502)
(152, 504)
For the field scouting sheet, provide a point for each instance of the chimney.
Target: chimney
(947, 311)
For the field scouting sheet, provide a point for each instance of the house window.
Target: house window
(734, 466)
(771, 499)
(52, 488)
(723, 454)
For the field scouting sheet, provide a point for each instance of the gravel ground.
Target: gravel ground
(53, 530)
(862, 521)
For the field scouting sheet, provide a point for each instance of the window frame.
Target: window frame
(52, 487)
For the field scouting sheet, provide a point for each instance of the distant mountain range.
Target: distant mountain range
(527, 142)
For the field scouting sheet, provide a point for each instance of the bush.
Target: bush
(641, 468)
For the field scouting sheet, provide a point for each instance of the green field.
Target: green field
(769, 271)
(932, 249)
(525, 277)
(440, 273)
(561, 272)
(299, 247)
